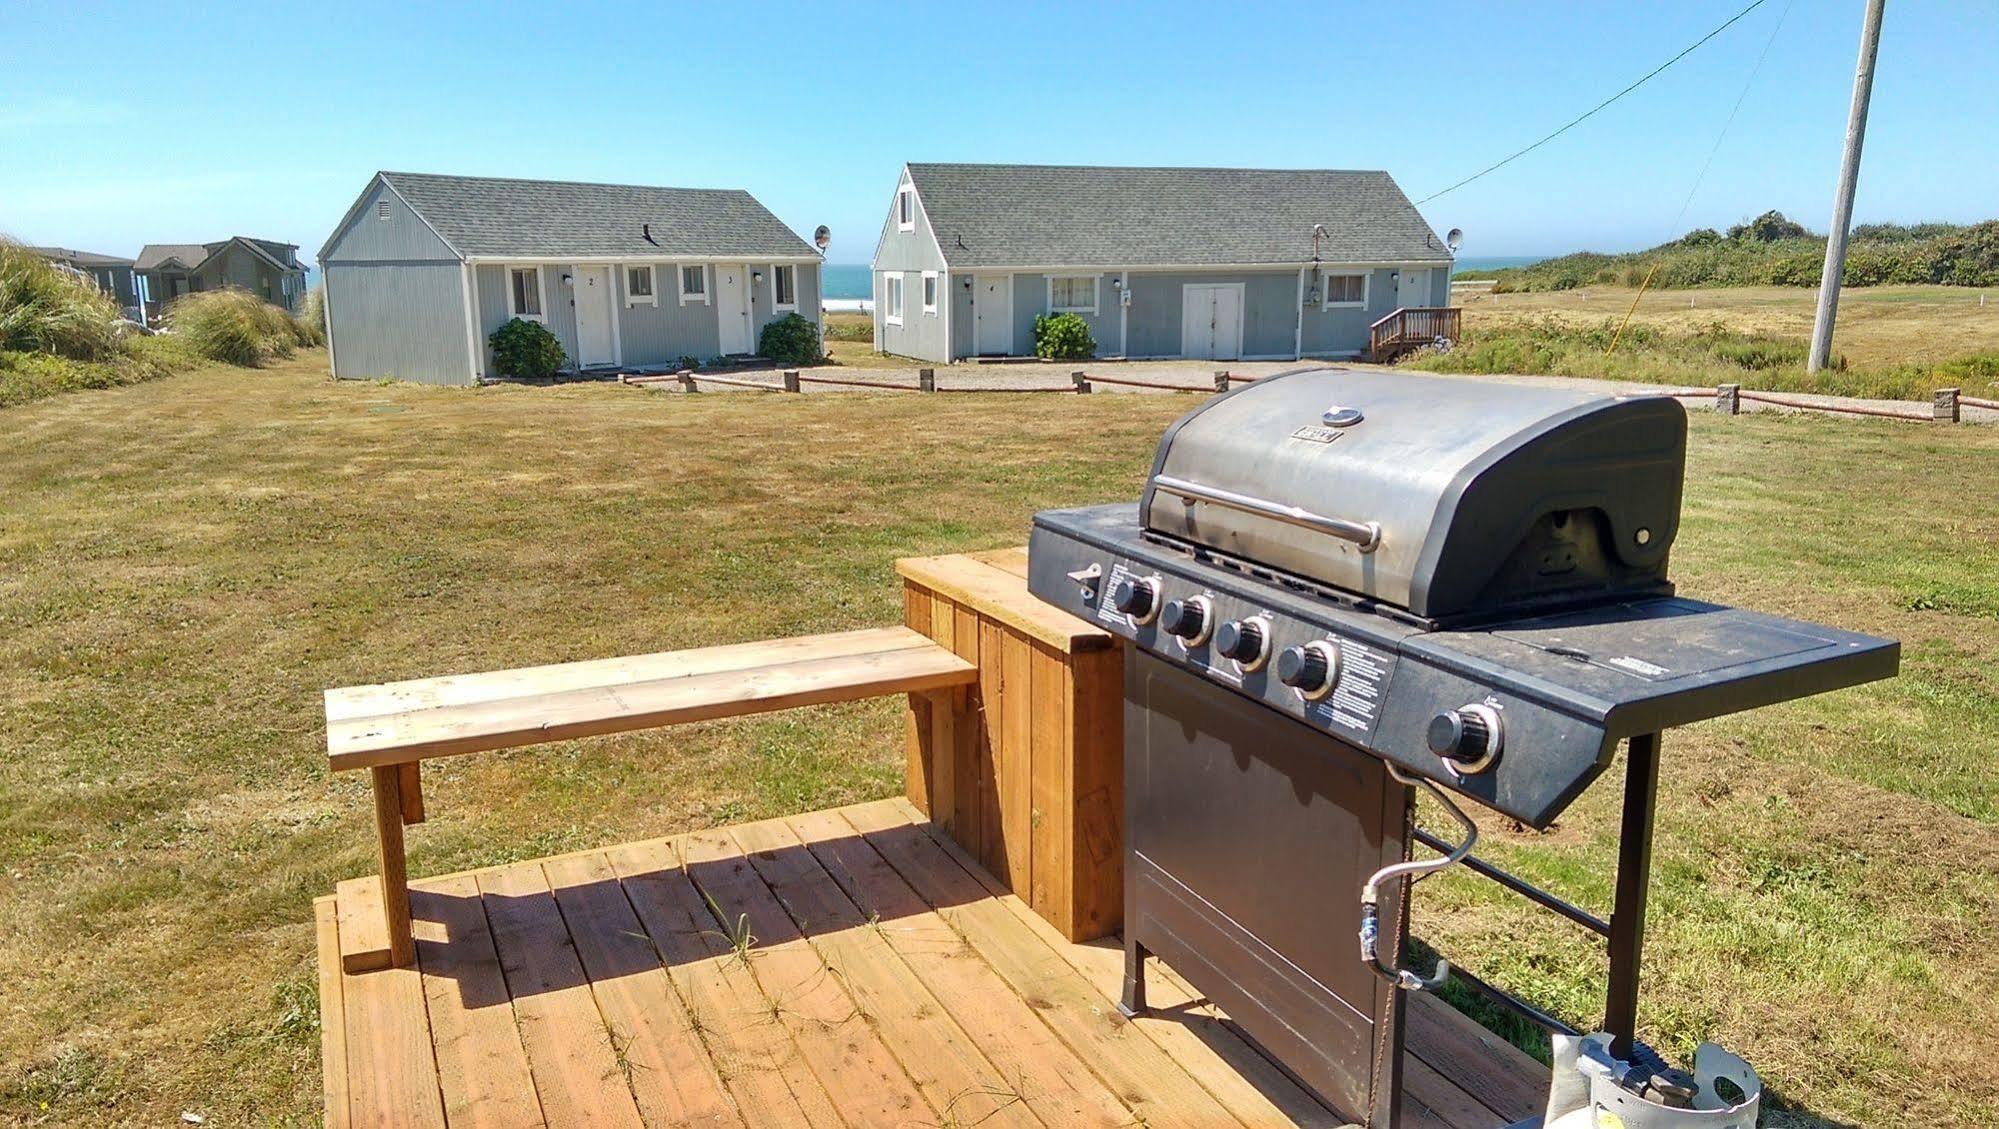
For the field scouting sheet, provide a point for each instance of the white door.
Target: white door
(732, 306)
(1211, 322)
(992, 315)
(593, 317)
(1412, 289)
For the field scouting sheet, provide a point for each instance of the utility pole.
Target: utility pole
(1842, 202)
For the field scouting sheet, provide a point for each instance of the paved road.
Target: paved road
(1199, 375)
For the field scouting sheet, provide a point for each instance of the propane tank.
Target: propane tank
(1592, 1089)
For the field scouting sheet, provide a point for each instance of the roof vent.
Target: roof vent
(382, 208)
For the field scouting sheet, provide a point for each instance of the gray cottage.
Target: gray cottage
(1227, 264)
(424, 268)
(264, 267)
(108, 273)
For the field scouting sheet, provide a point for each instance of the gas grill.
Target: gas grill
(1339, 586)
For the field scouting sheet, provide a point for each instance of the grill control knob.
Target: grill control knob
(1190, 619)
(1138, 599)
(1469, 737)
(1246, 641)
(1312, 670)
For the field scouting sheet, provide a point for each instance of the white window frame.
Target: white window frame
(776, 305)
(680, 283)
(1326, 291)
(905, 201)
(932, 288)
(540, 294)
(1096, 294)
(631, 299)
(892, 298)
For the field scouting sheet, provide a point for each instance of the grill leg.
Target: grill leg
(1634, 872)
(1133, 1004)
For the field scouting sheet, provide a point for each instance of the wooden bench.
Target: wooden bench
(389, 729)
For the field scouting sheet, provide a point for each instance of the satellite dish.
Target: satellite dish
(1455, 239)
(822, 236)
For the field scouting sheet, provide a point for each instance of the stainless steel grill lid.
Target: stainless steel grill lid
(1445, 497)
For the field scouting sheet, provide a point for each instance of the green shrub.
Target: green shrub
(45, 310)
(790, 340)
(235, 327)
(525, 349)
(1063, 337)
(312, 317)
(688, 361)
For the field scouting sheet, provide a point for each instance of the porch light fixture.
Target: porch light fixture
(757, 276)
(566, 279)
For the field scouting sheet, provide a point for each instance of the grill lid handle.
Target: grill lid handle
(1365, 534)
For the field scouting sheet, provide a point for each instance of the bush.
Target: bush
(525, 349)
(312, 317)
(1063, 337)
(790, 340)
(235, 327)
(45, 310)
(1770, 227)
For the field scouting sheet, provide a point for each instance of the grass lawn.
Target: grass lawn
(1878, 326)
(185, 564)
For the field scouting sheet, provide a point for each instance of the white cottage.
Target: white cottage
(1225, 264)
(423, 268)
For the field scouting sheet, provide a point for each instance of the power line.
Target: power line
(1594, 110)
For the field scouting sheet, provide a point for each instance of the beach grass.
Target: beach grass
(187, 563)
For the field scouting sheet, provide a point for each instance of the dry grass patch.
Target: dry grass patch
(186, 564)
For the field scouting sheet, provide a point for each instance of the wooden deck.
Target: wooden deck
(841, 967)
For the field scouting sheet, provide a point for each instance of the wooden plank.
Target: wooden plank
(1180, 1022)
(954, 1075)
(992, 752)
(1157, 1089)
(968, 762)
(576, 1068)
(755, 1057)
(1507, 1079)
(865, 1082)
(332, 1015)
(591, 711)
(1013, 560)
(1052, 789)
(1096, 789)
(482, 1068)
(364, 929)
(352, 702)
(395, 879)
(1016, 783)
(663, 1060)
(1003, 595)
(1057, 1086)
(410, 791)
(944, 723)
(916, 718)
(391, 1069)
(1429, 1098)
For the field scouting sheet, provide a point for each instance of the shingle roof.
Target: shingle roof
(1051, 215)
(491, 216)
(80, 258)
(155, 254)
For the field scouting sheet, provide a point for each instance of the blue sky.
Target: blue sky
(127, 123)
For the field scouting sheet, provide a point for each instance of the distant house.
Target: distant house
(263, 267)
(423, 268)
(112, 274)
(1161, 262)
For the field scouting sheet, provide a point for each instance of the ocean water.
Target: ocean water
(850, 280)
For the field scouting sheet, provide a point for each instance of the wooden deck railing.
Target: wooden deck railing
(1411, 327)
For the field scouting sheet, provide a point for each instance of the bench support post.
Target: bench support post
(395, 868)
